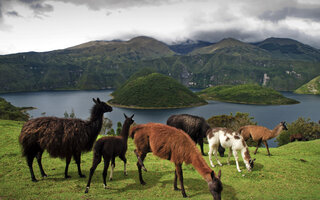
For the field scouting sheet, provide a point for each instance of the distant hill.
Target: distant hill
(246, 94)
(108, 64)
(289, 49)
(188, 46)
(312, 87)
(155, 91)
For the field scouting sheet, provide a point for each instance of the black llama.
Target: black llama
(61, 137)
(109, 148)
(196, 127)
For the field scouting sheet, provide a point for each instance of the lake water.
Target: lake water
(55, 103)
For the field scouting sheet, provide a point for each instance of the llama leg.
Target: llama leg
(95, 163)
(68, 159)
(39, 155)
(229, 155)
(200, 141)
(30, 161)
(259, 143)
(210, 156)
(113, 164)
(180, 175)
(123, 158)
(140, 160)
(139, 169)
(215, 152)
(235, 154)
(266, 144)
(175, 187)
(77, 158)
(105, 171)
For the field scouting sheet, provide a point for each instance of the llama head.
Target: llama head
(284, 126)
(102, 105)
(215, 185)
(250, 165)
(128, 120)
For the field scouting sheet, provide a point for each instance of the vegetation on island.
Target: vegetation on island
(245, 94)
(312, 87)
(281, 176)
(155, 91)
(11, 112)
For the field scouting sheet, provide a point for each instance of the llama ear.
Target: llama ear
(219, 174)
(95, 101)
(132, 116)
(98, 100)
(125, 116)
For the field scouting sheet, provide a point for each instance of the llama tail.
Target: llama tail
(134, 129)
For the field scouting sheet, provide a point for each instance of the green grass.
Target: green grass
(281, 176)
(312, 87)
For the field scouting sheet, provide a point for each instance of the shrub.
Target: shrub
(310, 130)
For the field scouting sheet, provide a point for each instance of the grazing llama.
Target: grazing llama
(176, 146)
(61, 137)
(297, 136)
(109, 148)
(196, 127)
(261, 134)
(232, 140)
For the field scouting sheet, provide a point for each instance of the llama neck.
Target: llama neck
(245, 155)
(201, 166)
(96, 120)
(125, 131)
(276, 131)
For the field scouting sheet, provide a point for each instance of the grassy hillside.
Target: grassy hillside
(312, 87)
(247, 94)
(155, 91)
(281, 176)
(11, 112)
(108, 64)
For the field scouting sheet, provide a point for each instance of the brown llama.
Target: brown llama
(261, 134)
(297, 136)
(173, 144)
(61, 137)
(196, 127)
(109, 148)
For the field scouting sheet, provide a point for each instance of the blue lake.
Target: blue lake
(55, 103)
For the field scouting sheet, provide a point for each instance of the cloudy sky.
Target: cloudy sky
(44, 25)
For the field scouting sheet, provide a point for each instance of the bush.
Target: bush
(233, 122)
(310, 130)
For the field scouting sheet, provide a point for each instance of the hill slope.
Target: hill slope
(247, 94)
(281, 176)
(155, 91)
(312, 87)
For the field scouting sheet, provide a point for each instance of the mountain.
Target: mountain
(188, 46)
(312, 87)
(233, 47)
(155, 91)
(11, 112)
(247, 94)
(108, 64)
(285, 48)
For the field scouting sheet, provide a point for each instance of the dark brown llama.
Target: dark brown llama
(297, 136)
(173, 144)
(196, 127)
(61, 137)
(109, 148)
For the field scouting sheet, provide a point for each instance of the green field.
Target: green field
(281, 176)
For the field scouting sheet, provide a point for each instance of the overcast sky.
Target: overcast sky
(44, 25)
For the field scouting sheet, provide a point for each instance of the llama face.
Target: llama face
(103, 106)
(215, 186)
(284, 126)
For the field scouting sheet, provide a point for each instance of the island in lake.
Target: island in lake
(154, 91)
(312, 87)
(245, 94)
